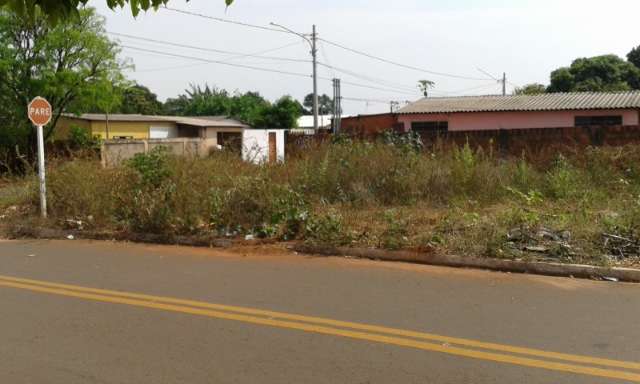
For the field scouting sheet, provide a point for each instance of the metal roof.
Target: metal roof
(198, 121)
(542, 102)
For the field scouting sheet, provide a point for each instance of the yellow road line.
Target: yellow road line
(516, 360)
(343, 324)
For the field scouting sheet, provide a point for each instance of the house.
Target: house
(131, 126)
(125, 135)
(521, 112)
(306, 122)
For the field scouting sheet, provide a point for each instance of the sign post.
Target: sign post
(39, 111)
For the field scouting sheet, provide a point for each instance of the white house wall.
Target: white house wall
(255, 145)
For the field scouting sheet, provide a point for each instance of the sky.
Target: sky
(461, 45)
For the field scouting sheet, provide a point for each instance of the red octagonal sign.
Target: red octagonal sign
(39, 111)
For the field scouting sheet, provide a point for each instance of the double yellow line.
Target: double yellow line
(527, 357)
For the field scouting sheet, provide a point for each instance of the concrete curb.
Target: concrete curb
(146, 238)
(515, 266)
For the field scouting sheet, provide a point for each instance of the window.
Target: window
(430, 126)
(585, 121)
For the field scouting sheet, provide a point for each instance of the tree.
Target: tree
(57, 10)
(73, 64)
(424, 86)
(325, 104)
(596, 74)
(530, 89)
(139, 99)
(634, 56)
(284, 113)
(249, 107)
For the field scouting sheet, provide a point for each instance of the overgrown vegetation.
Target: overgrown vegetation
(577, 207)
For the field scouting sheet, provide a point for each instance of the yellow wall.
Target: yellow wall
(133, 129)
(136, 130)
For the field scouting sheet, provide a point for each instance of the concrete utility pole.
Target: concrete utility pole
(337, 106)
(314, 53)
(504, 84)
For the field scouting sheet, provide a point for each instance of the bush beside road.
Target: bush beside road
(578, 207)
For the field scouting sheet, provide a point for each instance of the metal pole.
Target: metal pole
(315, 78)
(41, 174)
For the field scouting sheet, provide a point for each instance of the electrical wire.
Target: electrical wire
(400, 64)
(236, 65)
(222, 20)
(152, 51)
(238, 55)
(261, 27)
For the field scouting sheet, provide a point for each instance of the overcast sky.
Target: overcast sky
(525, 39)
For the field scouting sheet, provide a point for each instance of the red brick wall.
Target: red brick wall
(369, 125)
(516, 140)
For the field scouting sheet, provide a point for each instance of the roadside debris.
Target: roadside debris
(542, 240)
(621, 247)
(70, 237)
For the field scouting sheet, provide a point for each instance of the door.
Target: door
(273, 148)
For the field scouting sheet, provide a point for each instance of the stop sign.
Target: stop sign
(39, 111)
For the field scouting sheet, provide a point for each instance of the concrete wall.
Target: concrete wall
(114, 152)
(478, 121)
(255, 145)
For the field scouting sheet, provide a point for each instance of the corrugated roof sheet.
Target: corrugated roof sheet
(543, 102)
(199, 121)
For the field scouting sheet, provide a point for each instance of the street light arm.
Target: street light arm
(293, 32)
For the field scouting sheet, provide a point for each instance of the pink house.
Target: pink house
(551, 110)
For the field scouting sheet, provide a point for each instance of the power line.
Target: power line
(373, 87)
(152, 51)
(370, 79)
(238, 54)
(216, 61)
(222, 20)
(400, 64)
(261, 27)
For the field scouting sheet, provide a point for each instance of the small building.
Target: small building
(132, 126)
(127, 134)
(544, 111)
(306, 122)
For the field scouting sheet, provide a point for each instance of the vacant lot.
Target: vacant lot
(579, 206)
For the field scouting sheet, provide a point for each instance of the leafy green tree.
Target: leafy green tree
(249, 107)
(325, 104)
(596, 74)
(284, 113)
(63, 9)
(72, 64)
(140, 100)
(530, 89)
(634, 56)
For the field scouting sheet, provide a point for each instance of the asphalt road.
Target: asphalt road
(100, 312)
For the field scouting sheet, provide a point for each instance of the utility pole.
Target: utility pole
(504, 84)
(314, 53)
(337, 106)
(338, 111)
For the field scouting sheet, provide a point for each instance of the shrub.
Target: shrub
(327, 228)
